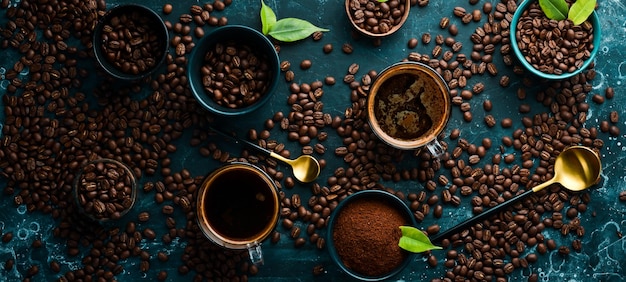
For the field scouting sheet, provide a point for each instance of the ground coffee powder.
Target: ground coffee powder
(366, 236)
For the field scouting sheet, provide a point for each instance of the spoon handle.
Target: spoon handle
(484, 215)
(249, 144)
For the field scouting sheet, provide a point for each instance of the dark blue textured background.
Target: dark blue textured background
(602, 258)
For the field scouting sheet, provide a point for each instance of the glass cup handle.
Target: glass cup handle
(255, 253)
(435, 148)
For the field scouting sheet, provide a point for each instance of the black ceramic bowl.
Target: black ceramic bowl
(377, 195)
(237, 34)
(158, 28)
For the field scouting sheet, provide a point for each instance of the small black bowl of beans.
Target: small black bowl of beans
(130, 42)
(105, 189)
(233, 70)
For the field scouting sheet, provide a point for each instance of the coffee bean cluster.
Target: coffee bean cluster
(105, 190)
(554, 47)
(131, 44)
(234, 76)
(377, 17)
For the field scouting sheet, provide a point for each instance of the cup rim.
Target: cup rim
(407, 9)
(195, 64)
(133, 195)
(597, 33)
(394, 201)
(210, 232)
(402, 68)
(111, 70)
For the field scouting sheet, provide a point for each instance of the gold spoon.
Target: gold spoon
(305, 168)
(576, 169)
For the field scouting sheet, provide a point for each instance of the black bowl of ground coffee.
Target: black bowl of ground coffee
(363, 235)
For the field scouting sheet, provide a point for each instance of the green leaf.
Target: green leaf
(268, 18)
(554, 9)
(382, 1)
(414, 240)
(581, 10)
(293, 29)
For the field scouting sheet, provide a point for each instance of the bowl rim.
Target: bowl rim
(405, 16)
(597, 33)
(381, 78)
(96, 43)
(365, 194)
(193, 69)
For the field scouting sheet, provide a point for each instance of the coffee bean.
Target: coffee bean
(426, 38)
(412, 43)
(609, 92)
(7, 237)
(306, 64)
(622, 195)
(614, 117)
(143, 216)
(347, 48)
(487, 105)
(444, 22)
(167, 9)
(506, 122)
(327, 48)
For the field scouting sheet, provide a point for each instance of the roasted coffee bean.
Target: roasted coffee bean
(305, 64)
(426, 38)
(327, 48)
(412, 43)
(347, 48)
(609, 92)
(614, 117)
(167, 9)
(506, 122)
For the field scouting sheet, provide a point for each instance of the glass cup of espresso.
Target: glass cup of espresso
(238, 207)
(408, 106)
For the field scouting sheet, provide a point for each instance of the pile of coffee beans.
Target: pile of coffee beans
(551, 46)
(105, 189)
(234, 76)
(377, 17)
(131, 42)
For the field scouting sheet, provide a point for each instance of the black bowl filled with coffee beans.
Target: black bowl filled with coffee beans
(105, 189)
(233, 70)
(130, 42)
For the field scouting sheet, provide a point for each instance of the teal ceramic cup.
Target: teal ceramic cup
(593, 19)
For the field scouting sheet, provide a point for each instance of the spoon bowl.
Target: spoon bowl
(305, 168)
(577, 168)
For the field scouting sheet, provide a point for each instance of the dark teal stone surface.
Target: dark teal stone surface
(603, 253)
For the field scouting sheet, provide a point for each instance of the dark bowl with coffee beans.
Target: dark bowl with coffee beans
(375, 18)
(130, 42)
(233, 70)
(105, 189)
(553, 49)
